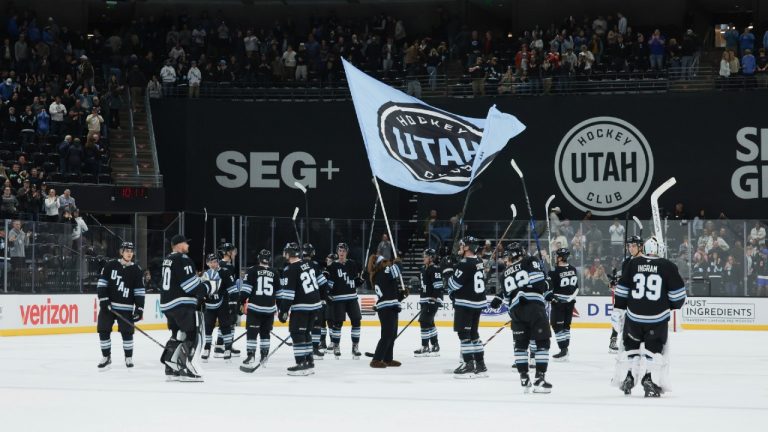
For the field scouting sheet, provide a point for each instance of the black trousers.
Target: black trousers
(104, 323)
(653, 335)
(182, 318)
(222, 315)
(560, 319)
(258, 325)
(388, 318)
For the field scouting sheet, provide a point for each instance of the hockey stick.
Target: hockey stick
(108, 230)
(389, 232)
(504, 236)
(530, 211)
(626, 234)
(295, 228)
(370, 354)
(549, 229)
(370, 237)
(303, 189)
(639, 224)
(249, 370)
(205, 234)
(497, 332)
(657, 216)
(271, 332)
(460, 227)
(125, 320)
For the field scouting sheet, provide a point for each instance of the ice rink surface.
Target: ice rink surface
(720, 382)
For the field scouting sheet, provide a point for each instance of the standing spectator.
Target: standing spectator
(43, 123)
(594, 241)
(193, 78)
(66, 200)
(412, 81)
(76, 117)
(656, 47)
(177, 53)
(674, 54)
(251, 43)
(94, 122)
(762, 68)
(690, 47)
(301, 63)
(477, 73)
(732, 37)
(135, 80)
(154, 89)
(289, 63)
(617, 238)
(746, 41)
(51, 205)
(734, 62)
(433, 62)
(725, 68)
(85, 73)
(622, 23)
(757, 235)
(75, 157)
(586, 60)
(115, 101)
(23, 197)
(748, 68)
(384, 249)
(17, 244)
(7, 89)
(21, 53)
(57, 111)
(62, 149)
(168, 75)
(10, 204)
(28, 125)
(388, 53)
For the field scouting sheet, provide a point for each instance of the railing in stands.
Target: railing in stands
(151, 135)
(134, 151)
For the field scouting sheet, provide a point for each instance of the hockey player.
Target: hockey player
(467, 288)
(343, 281)
(649, 288)
(217, 307)
(299, 294)
(181, 291)
(121, 291)
(385, 280)
(634, 247)
(430, 301)
(526, 293)
(308, 256)
(258, 290)
(564, 280)
(325, 311)
(228, 253)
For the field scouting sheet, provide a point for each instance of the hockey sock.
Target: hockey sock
(355, 334)
(479, 351)
(208, 341)
(128, 345)
(424, 337)
(532, 347)
(228, 340)
(263, 344)
(301, 350)
(562, 339)
(315, 337)
(336, 335)
(467, 350)
(521, 360)
(106, 347)
(542, 359)
(433, 335)
(323, 333)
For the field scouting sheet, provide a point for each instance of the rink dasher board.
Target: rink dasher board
(40, 314)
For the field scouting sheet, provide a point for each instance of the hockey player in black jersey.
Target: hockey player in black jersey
(634, 247)
(308, 255)
(526, 293)
(430, 301)
(343, 281)
(385, 280)
(181, 290)
(121, 291)
(217, 306)
(564, 280)
(324, 315)
(649, 288)
(229, 279)
(259, 288)
(300, 295)
(467, 288)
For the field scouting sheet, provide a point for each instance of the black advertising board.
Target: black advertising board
(605, 154)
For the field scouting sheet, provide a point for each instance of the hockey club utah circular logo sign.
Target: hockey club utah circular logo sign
(604, 165)
(433, 145)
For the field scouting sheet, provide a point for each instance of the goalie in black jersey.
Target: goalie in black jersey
(430, 301)
(526, 292)
(467, 289)
(649, 288)
(634, 247)
(259, 288)
(564, 280)
(121, 292)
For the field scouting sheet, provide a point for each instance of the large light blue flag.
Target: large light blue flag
(415, 146)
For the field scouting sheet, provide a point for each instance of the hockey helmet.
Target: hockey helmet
(211, 257)
(127, 246)
(307, 250)
(514, 250)
(265, 256)
(226, 247)
(563, 253)
(341, 246)
(471, 242)
(332, 257)
(430, 253)
(291, 249)
(651, 246)
(636, 240)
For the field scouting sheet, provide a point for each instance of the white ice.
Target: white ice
(51, 383)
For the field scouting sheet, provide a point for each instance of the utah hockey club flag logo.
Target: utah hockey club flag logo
(417, 147)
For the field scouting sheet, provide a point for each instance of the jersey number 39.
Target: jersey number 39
(648, 286)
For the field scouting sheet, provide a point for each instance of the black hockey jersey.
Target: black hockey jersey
(649, 288)
(467, 284)
(564, 281)
(259, 289)
(431, 284)
(180, 284)
(387, 286)
(229, 281)
(343, 281)
(322, 278)
(298, 288)
(227, 289)
(524, 282)
(122, 284)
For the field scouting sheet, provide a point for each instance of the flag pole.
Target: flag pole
(389, 230)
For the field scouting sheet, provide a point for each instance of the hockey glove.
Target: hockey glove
(496, 302)
(283, 317)
(359, 282)
(138, 314)
(617, 319)
(234, 308)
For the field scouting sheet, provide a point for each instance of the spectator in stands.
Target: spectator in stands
(746, 41)
(17, 244)
(757, 234)
(154, 88)
(76, 117)
(94, 122)
(75, 157)
(57, 111)
(51, 205)
(21, 51)
(762, 68)
(507, 81)
(385, 247)
(289, 64)
(177, 53)
(433, 62)
(83, 94)
(91, 154)
(656, 46)
(748, 68)
(731, 276)
(168, 75)
(388, 54)
(43, 124)
(66, 200)
(596, 278)
(10, 204)
(725, 65)
(477, 74)
(622, 24)
(194, 76)
(85, 73)
(689, 49)
(734, 62)
(7, 89)
(675, 54)
(23, 197)
(11, 124)
(594, 241)
(115, 101)
(62, 149)
(136, 80)
(586, 60)
(731, 37)
(301, 62)
(28, 125)
(616, 230)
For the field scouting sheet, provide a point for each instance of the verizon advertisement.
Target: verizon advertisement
(52, 314)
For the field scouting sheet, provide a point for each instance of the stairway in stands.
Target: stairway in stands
(123, 164)
(416, 243)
